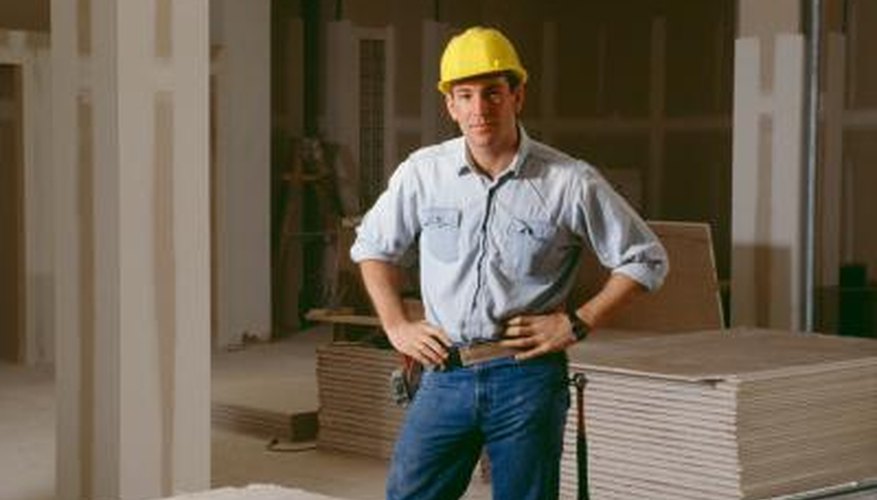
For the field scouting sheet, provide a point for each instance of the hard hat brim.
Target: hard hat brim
(445, 86)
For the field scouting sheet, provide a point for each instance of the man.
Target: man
(501, 222)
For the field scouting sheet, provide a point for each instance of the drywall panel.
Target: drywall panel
(860, 204)
(408, 33)
(862, 85)
(28, 53)
(407, 143)
(287, 74)
(765, 18)
(130, 142)
(699, 59)
(12, 297)
(830, 184)
(697, 185)
(435, 124)
(689, 297)
(606, 151)
(32, 15)
(242, 193)
(39, 204)
(581, 85)
(604, 62)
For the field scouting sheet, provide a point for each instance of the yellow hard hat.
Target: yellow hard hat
(478, 51)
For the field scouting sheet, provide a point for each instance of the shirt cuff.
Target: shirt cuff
(649, 275)
(361, 251)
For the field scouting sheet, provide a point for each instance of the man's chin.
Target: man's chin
(480, 137)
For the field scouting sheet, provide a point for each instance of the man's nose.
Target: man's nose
(482, 103)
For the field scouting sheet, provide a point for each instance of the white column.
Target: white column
(132, 247)
(243, 176)
(767, 154)
(73, 462)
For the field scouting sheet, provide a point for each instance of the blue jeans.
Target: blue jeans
(517, 410)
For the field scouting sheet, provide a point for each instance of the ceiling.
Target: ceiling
(31, 15)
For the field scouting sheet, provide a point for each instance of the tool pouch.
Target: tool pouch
(405, 381)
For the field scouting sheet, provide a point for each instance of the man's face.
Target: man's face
(486, 110)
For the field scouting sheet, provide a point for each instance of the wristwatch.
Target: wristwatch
(580, 329)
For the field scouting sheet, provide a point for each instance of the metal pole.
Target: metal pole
(812, 151)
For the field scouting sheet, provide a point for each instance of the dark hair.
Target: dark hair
(513, 80)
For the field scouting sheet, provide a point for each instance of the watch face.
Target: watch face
(579, 327)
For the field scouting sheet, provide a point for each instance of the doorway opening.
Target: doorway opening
(12, 309)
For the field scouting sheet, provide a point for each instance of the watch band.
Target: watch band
(579, 328)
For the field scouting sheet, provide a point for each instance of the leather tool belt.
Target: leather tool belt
(405, 381)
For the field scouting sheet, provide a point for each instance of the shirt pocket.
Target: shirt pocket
(441, 232)
(532, 244)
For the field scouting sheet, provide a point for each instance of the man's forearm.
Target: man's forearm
(383, 281)
(618, 290)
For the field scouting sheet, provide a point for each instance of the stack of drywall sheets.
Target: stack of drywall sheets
(727, 415)
(569, 484)
(357, 413)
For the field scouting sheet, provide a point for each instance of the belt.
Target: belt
(462, 356)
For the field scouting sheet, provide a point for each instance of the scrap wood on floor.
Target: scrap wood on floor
(254, 492)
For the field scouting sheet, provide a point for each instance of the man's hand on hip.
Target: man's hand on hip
(538, 335)
(422, 341)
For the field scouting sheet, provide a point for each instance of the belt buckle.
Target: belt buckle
(483, 352)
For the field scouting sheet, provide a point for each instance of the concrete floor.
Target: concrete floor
(272, 379)
(27, 433)
(275, 379)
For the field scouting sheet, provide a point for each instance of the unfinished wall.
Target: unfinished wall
(860, 136)
(27, 16)
(240, 34)
(860, 203)
(11, 217)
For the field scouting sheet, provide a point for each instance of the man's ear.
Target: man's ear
(520, 96)
(449, 104)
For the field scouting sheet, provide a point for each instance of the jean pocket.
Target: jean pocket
(531, 243)
(441, 232)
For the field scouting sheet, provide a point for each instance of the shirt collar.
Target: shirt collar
(517, 165)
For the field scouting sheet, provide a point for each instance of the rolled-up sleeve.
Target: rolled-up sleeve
(620, 238)
(391, 226)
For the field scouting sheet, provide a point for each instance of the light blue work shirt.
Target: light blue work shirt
(492, 249)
